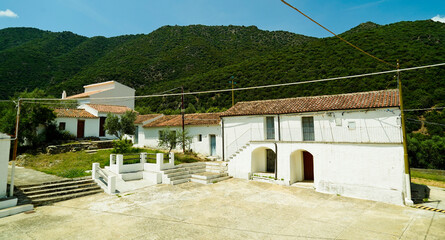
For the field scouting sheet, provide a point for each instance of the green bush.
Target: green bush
(122, 146)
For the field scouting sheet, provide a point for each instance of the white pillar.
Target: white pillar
(119, 162)
(172, 159)
(111, 181)
(112, 159)
(94, 171)
(143, 157)
(159, 161)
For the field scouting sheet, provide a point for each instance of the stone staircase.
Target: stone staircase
(202, 172)
(238, 151)
(50, 192)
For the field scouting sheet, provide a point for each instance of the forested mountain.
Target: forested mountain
(205, 57)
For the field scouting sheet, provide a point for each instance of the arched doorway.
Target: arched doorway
(263, 161)
(301, 166)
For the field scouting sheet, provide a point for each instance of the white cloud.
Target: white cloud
(8, 13)
(438, 18)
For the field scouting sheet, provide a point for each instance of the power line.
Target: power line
(433, 123)
(247, 88)
(352, 45)
(423, 109)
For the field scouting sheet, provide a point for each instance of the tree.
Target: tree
(34, 116)
(170, 139)
(120, 126)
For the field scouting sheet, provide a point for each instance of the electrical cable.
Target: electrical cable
(246, 88)
(433, 123)
(352, 45)
(423, 109)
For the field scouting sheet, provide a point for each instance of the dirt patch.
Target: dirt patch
(428, 182)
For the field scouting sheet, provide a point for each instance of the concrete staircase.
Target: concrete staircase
(50, 192)
(202, 172)
(238, 151)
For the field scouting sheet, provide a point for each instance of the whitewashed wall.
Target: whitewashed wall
(119, 90)
(91, 126)
(367, 171)
(149, 137)
(5, 144)
(372, 126)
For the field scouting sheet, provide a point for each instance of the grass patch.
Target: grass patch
(428, 174)
(76, 164)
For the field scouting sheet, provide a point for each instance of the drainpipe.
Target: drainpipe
(276, 160)
(279, 128)
(222, 132)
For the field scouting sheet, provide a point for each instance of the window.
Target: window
(161, 134)
(308, 129)
(62, 126)
(199, 138)
(351, 125)
(270, 128)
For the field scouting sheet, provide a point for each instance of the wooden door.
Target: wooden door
(101, 126)
(308, 163)
(80, 128)
(212, 145)
(270, 158)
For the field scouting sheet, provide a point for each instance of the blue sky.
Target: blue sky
(112, 17)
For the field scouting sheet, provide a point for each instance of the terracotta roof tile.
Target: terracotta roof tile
(73, 113)
(361, 100)
(84, 95)
(110, 108)
(190, 119)
(142, 118)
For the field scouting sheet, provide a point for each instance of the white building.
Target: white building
(89, 118)
(98, 92)
(204, 128)
(348, 144)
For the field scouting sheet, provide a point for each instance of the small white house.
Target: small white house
(348, 144)
(98, 92)
(204, 128)
(94, 105)
(88, 120)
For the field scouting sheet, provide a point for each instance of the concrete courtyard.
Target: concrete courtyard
(232, 209)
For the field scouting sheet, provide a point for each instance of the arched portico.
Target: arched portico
(263, 160)
(301, 166)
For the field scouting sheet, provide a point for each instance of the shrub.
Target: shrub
(122, 146)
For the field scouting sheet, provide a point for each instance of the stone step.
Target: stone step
(178, 173)
(179, 181)
(180, 177)
(197, 171)
(172, 170)
(55, 182)
(44, 201)
(15, 210)
(210, 181)
(216, 163)
(132, 176)
(64, 192)
(55, 185)
(56, 189)
(208, 175)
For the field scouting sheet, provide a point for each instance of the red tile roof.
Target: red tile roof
(142, 118)
(73, 113)
(361, 100)
(190, 119)
(84, 95)
(110, 108)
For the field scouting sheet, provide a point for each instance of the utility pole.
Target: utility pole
(408, 200)
(14, 153)
(183, 120)
(233, 92)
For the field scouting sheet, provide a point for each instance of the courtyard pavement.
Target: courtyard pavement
(232, 209)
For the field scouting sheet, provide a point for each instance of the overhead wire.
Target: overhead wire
(248, 88)
(344, 40)
(433, 123)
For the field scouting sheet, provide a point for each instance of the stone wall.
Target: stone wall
(74, 147)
